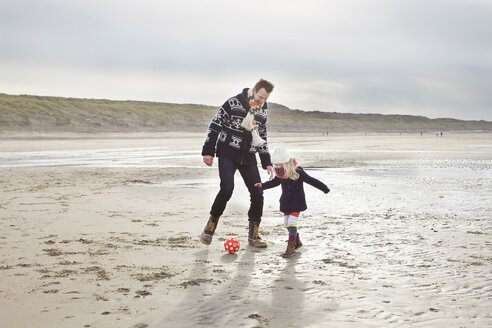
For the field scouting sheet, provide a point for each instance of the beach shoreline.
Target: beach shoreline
(102, 231)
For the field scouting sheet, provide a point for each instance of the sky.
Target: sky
(418, 57)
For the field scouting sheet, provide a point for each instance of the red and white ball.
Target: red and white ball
(231, 245)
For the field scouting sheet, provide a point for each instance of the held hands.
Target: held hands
(209, 160)
(258, 185)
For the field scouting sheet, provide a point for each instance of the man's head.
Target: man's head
(262, 90)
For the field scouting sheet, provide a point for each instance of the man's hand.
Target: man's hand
(270, 172)
(258, 185)
(209, 160)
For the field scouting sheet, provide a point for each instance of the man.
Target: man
(235, 134)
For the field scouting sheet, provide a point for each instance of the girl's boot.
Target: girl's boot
(291, 248)
(208, 232)
(298, 242)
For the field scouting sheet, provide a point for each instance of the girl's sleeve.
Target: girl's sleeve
(313, 181)
(271, 183)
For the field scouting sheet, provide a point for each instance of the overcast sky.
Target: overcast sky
(419, 57)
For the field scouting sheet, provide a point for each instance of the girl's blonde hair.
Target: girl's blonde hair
(290, 170)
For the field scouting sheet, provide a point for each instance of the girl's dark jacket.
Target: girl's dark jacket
(293, 198)
(226, 137)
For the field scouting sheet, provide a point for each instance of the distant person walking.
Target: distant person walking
(237, 132)
(293, 200)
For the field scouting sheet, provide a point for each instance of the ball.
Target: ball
(231, 245)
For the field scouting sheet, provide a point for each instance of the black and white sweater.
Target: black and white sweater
(226, 137)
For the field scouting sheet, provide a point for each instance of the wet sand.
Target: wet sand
(102, 231)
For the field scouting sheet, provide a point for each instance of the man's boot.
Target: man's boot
(254, 238)
(291, 248)
(208, 232)
(298, 242)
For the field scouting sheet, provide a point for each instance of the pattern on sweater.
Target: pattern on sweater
(226, 127)
(236, 142)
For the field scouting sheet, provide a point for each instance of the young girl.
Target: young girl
(293, 200)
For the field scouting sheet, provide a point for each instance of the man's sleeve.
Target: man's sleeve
(214, 130)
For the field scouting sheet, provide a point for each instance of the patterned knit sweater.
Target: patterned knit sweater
(226, 137)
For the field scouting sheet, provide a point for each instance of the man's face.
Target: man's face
(260, 96)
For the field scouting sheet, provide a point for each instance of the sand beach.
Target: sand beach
(101, 230)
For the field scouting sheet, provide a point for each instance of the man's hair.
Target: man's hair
(268, 86)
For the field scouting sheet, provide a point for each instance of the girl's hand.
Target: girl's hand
(258, 185)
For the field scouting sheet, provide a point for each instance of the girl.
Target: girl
(293, 200)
